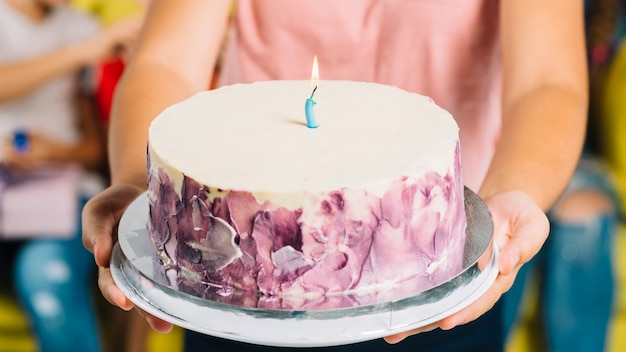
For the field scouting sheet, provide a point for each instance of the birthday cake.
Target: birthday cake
(249, 205)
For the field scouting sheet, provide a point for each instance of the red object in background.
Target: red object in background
(108, 77)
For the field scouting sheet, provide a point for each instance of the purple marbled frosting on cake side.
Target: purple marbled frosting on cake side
(351, 248)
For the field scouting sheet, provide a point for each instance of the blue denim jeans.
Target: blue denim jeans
(54, 280)
(575, 276)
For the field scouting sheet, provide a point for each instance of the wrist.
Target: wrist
(127, 177)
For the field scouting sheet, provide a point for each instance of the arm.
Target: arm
(19, 78)
(22, 77)
(544, 110)
(87, 152)
(544, 99)
(174, 58)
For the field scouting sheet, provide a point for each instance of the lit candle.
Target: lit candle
(308, 106)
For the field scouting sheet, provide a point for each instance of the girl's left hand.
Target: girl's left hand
(520, 229)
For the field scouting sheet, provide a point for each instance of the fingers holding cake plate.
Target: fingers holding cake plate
(101, 216)
(520, 229)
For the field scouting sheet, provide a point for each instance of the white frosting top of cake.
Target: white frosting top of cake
(254, 137)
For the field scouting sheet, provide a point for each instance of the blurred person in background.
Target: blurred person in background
(49, 135)
(574, 269)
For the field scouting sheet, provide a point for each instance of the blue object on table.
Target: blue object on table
(21, 143)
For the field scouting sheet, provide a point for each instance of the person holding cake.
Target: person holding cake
(513, 75)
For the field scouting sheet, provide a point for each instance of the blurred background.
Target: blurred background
(529, 327)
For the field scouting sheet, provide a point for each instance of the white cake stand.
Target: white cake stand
(133, 270)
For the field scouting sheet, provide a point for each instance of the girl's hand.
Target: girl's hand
(101, 216)
(520, 229)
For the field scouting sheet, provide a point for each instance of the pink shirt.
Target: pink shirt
(446, 49)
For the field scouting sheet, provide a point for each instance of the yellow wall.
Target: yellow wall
(109, 11)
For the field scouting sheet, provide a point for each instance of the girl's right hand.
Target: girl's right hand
(116, 40)
(100, 218)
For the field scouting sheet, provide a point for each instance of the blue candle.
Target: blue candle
(310, 103)
(309, 112)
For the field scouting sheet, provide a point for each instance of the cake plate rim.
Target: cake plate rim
(298, 328)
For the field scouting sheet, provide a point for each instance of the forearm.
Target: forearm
(541, 140)
(544, 99)
(174, 58)
(143, 93)
(19, 78)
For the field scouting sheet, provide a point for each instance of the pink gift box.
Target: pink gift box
(44, 203)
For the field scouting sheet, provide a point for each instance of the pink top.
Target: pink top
(445, 49)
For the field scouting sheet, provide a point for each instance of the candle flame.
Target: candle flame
(315, 73)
